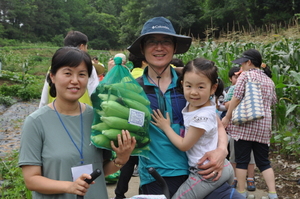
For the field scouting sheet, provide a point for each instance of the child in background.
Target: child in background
(200, 83)
(233, 74)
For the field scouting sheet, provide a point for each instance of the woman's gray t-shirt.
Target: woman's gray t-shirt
(46, 143)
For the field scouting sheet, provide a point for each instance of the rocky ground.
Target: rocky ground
(287, 172)
(11, 120)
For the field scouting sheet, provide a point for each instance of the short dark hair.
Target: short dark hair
(75, 39)
(233, 70)
(136, 61)
(177, 62)
(67, 56)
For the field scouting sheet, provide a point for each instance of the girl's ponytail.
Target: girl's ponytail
(220, 88)
(266, 70)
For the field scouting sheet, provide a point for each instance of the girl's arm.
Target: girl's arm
(36, 182)
(181, 143)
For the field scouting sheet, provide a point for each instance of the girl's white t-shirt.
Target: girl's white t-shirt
(203, 118)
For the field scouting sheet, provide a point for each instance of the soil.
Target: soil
(287, 177)
(287, 171)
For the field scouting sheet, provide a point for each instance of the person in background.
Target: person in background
(233, 74)
(220, 106)
(99, 68)
(253, 135)
(111, 62)
(158, 42)
(139, 64)
(178, 63)
(55, 152)
(79, 40)
(123, 56)
(199, 83)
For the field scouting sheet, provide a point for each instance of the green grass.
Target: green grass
(13, 185)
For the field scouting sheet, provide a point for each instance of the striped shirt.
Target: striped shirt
(229, 94)
(259, 130)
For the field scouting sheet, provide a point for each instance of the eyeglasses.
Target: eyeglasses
(151, 42)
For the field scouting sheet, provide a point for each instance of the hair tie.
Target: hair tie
(263, 65)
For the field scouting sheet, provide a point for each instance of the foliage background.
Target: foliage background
(114, 24)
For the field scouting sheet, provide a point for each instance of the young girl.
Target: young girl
(200, 83)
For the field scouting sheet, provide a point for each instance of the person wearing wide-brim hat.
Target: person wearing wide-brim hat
(158, 43)
(160, 25)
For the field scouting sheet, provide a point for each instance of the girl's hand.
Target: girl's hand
(126, 145)
(79, 186)
(160, 121)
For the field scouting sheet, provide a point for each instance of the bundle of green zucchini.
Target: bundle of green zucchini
(112, 113)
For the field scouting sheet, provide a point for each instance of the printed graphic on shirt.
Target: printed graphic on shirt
(199, 119)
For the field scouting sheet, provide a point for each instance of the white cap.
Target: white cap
(122, 56)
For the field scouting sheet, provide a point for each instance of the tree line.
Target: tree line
(114, 24)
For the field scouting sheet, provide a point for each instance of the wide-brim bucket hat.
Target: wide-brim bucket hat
(160, 25)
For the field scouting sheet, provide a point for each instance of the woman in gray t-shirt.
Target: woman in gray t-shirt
(55, 154)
